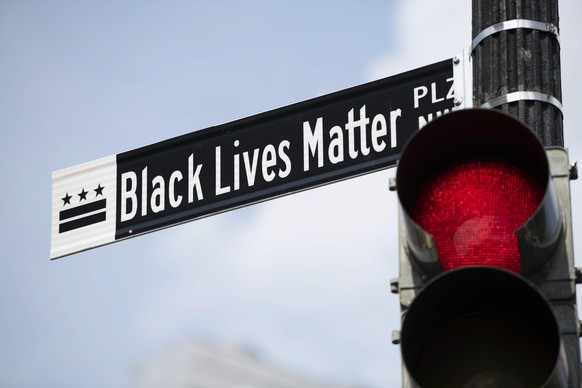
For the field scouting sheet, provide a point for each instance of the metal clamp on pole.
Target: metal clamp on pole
(513, 25)
(521, 96)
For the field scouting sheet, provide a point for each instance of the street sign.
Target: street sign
(286, 150)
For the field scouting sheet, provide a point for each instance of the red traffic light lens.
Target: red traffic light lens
(473, 210)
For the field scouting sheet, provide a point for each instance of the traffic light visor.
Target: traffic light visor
(474, 187)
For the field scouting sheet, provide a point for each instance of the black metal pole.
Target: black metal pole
(517, 69)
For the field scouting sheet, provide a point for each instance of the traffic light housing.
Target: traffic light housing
(487, 277)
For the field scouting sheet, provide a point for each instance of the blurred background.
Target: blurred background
(290, 292)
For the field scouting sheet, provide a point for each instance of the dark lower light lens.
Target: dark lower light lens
(481, 327)
(486, 350)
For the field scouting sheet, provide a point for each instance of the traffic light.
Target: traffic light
(487, 277)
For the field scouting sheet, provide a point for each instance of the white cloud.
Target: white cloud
(312, 266)
(429, 32)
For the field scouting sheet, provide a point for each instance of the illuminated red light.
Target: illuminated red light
(473, 210)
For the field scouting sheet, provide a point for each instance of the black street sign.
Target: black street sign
(286, 150)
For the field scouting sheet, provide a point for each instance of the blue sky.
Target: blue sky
(302, 279)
